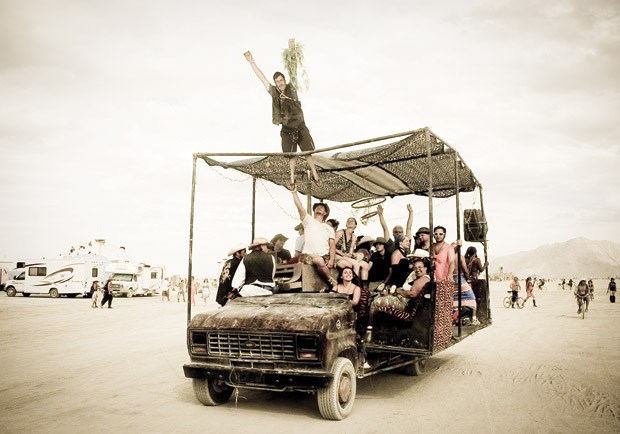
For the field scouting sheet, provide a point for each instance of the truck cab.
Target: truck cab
(124, 284)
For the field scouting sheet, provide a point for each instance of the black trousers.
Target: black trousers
(108, 296)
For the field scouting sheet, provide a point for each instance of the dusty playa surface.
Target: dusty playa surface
(69, 368)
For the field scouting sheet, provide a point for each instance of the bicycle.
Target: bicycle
(508, 301)
(582, 309)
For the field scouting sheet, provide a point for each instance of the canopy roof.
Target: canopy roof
(393, 169)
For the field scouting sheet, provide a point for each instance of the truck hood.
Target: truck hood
(300, 312)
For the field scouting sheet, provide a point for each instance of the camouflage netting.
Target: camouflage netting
(393, 169)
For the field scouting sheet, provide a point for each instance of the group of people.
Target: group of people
(515, 288)
(389, 271)
(101, 295)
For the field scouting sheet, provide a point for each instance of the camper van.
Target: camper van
(129, 278)
(56, 277)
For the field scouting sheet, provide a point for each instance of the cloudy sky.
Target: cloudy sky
(103, 103)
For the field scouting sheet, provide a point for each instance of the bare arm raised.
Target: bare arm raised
(300, 208)
(386, 231)
(408, 232)
(257, 71)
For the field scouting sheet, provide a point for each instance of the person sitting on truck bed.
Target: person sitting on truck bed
(281, 254)
(256, 271)
(348, 283)
(319, 238)
(227, 274)
(404, 302)
(379, 264)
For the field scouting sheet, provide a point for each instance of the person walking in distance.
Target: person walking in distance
(108, 295)
(181, 293)
(529, 291)
(611, 290)
(96, 294)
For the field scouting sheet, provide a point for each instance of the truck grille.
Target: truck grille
(252, 345)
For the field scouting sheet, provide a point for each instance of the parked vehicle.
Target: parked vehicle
(302, 340)
(56, 277)
(129, 278)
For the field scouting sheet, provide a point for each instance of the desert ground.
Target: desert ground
(69, 368)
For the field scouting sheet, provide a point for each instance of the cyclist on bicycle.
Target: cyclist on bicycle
(582, 293)
(515, 287)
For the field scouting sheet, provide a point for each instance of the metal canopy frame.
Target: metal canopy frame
(420, 163)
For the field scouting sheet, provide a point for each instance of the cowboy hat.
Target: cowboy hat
(236, 248)
(258, 241)
(365, 239)
(419, 253)
(380, 240)
(423, 230)
(276, 237)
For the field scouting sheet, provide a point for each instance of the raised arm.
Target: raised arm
(257, 71)
(386, 232)
(409, 221)
(300, 208)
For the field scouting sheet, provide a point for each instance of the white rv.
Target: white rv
(128, 279)
(56, 277)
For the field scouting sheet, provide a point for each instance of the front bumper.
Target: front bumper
(264, 379)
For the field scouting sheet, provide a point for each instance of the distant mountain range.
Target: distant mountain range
(579, 258)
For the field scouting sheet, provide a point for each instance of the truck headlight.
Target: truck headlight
(307, 347)
(198, 342)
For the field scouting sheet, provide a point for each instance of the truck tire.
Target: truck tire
(417, 368)
(211, 392)
(10, 291)
(54, 293)
(129, 293)
(336, 400)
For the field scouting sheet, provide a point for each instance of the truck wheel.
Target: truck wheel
(417, 368)
(211, 392)
(129, 293)
(336, 400)
(54, 293)
(10, 291)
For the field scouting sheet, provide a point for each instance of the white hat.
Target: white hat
(234, 249)
(419, 253)
(258, 241)
(365, 239)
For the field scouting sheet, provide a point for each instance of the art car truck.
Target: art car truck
(301, 340)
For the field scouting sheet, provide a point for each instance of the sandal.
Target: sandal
(292, 186)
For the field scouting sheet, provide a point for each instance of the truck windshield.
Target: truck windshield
(123, 277)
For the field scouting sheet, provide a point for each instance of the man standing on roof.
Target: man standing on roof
(319, 238)
(286, 111)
